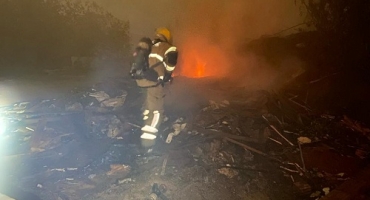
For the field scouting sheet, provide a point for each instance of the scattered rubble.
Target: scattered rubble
(251, 140)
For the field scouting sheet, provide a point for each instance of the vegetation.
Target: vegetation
(344, 28)
(46, 33)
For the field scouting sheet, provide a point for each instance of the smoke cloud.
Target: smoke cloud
(209, 34)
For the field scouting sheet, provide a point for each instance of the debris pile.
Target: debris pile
(67, 140)
(257, 142)
(316, 151)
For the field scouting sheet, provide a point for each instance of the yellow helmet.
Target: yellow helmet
(164, 32)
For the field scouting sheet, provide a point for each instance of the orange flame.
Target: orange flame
(200, 59)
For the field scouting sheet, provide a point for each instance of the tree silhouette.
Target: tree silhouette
(39, 33)
(344, 25)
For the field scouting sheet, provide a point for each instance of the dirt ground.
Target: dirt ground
(64, 142)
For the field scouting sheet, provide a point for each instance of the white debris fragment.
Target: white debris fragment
(118, 169)
(340, 174)
(326, 190)
(114, 127)
(213, 104)
(217, 105)
(30, 129)
(48, 129)
(21, 130)
(74, 107)
(327, 116)
(70, 179)
(319, 174)
(230, 173)
(59, 170)
(114, 102)
(165, 119)
(27, 138)
(72, 169)
(44, 101)
(178, 128)
(22, 105)
(315, 194)
(92, 176)
(169, 138)
(304, 140)
(124, 181)
(225, 102)
(39, 185)
(100, 96)
(179, 120)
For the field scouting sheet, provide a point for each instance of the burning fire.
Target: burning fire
(200, 59)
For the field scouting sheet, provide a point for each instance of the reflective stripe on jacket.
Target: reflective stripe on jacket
(157, 55)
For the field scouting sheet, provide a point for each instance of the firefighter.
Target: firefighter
(162, 62)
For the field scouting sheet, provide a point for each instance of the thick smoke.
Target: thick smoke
(210, 34)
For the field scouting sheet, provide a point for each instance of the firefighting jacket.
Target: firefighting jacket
(159, 62)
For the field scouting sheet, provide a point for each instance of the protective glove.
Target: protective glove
(167, 77)
(161, 81)
(132, 73)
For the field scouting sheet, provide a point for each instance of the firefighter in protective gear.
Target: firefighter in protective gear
(162, 62)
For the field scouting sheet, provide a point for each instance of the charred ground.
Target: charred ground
(235, 142)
